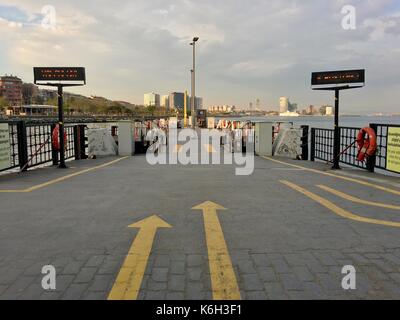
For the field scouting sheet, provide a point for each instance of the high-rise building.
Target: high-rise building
(177, 100)
(198, 103)
(292, 107)
(165, 101)
(151, 100)
(284, 104)
(322, 110)
(329, 111)
(11, 89)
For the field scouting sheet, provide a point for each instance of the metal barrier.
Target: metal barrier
(38, 142)
(382, 132)
(348, 138)
(321, 144)
(322, 141)
(31, 144)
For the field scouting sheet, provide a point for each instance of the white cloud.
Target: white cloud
(247, 49)
(383, 26)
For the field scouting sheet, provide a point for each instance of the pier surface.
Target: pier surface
(286, 231)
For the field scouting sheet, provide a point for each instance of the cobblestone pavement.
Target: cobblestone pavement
(283, 245)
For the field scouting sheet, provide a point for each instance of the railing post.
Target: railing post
(77, 143)
(82, 141)
(22, 145)
(304, 143)
(337, 134)
(371, 161)
(54, 153)
(312, 144)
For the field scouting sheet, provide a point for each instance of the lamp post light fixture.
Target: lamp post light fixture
(193, 98)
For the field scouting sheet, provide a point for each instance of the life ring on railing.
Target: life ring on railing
(55, 138)
(367, 144)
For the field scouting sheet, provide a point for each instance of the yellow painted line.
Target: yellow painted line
(128, 282)
(337, 210)
(63, 178)
(362, 182)
(223, 279)
(358, 200)
(14, 191)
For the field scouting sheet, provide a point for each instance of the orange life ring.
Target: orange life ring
(55, 138)
(367, 143)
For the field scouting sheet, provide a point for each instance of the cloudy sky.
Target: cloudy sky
(247, 50)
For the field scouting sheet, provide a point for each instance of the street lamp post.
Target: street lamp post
(193, 98)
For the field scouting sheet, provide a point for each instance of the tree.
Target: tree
(151, 110)
(52, 101)
(3, 103)
(29, 93)
(38, 100)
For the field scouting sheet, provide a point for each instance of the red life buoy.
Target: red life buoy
(367, 144)
(55, 138)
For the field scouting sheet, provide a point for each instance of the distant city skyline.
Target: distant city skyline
(264, 51)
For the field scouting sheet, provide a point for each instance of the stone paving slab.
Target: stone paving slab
(282, 244)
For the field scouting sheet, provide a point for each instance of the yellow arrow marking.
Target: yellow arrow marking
(337, 210)
(129, 279)
(223, 279)
(358, 200)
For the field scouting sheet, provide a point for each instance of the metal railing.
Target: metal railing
(382, 133)
(38, 136)
(321, 144)
(322, 141)
(14, 158)
(31, 144)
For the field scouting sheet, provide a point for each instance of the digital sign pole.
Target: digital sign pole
(60, 77)
(337, 81)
